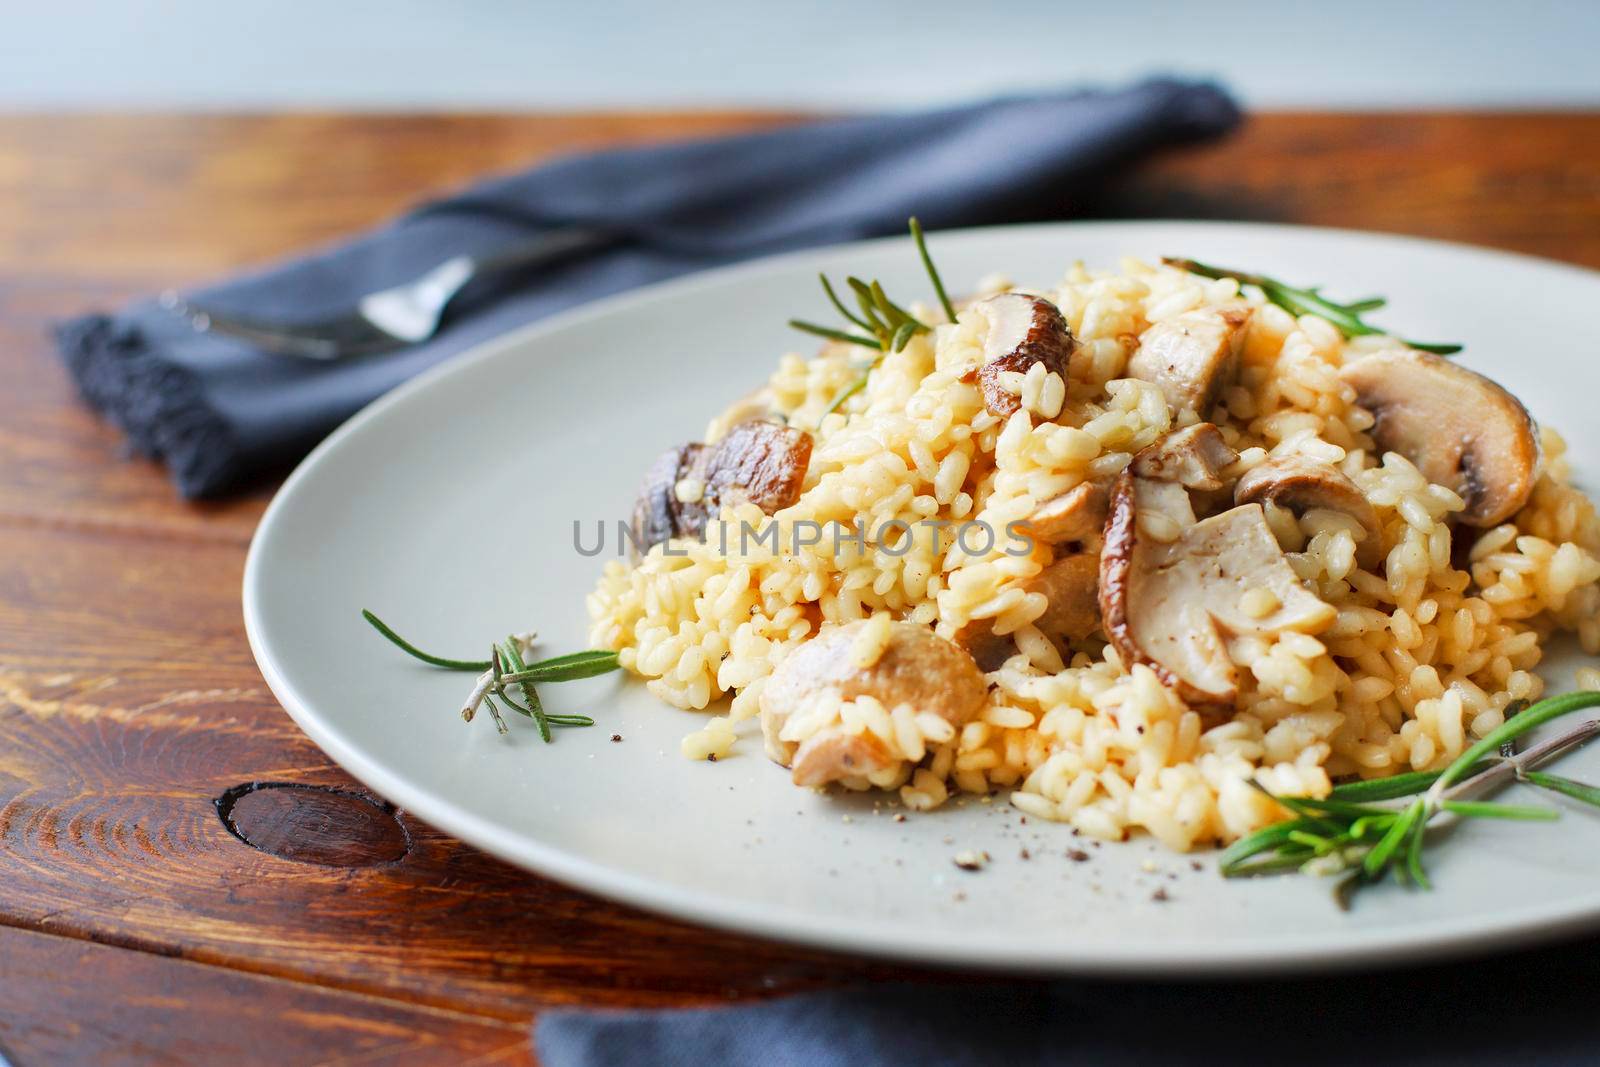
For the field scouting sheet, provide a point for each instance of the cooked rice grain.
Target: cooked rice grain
(1423, 658)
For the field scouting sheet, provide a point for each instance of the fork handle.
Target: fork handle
(545, 247)
(411, 311)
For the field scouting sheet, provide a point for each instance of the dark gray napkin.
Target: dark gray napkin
(1528, 1008)
(219, 412)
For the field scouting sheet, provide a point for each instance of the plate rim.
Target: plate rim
(731, 913)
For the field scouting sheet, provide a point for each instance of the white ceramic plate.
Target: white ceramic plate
(448, 508)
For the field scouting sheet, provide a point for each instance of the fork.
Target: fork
(391, 318)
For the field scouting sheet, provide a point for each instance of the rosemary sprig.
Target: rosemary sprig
(1345, 317)
(1346, 832)
(506, 668)
(427, 657)
(878, 323)
(534, 709)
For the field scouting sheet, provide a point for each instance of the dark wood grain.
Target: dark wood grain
(67, 1001)
(134, 921)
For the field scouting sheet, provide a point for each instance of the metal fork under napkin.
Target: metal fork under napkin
(221, 410)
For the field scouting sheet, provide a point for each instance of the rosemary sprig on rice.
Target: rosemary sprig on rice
(882, 324)
(1346, 318)
(1346, 833)
(506, 668)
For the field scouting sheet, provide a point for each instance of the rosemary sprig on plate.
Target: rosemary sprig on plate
(878, 322)
(1346, 832)
(505, 669)
(1345, 317)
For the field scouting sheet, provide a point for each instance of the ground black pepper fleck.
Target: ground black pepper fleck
(616, 737)
(1077, 855)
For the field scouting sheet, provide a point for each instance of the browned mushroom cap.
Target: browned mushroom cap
(1303, 484)
(763, 463)
(917, 667)
(1194, 458)
(1193, 356)
(1462, 430)
(1022, 330)
(658, 515)
(1168, 604)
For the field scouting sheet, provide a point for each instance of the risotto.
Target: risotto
(1112, 549)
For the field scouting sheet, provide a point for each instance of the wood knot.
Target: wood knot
(314, 824)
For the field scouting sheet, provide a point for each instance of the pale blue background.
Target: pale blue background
(831, 53)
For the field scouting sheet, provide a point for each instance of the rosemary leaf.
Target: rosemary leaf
(838, 305)
(836, 335)
(535, 707)
(1529, 719)
(426, 657)
(1345, 891)
(897, 315)
(1419, 876)
(566, 668)
(1378, 859)
(933, 273)
(845, 394)
(1253, 844)
(494, 712)
(1400, 785)
(1346, 317)
(1481, 809)
(1565, 786)
(868, 305)
(1392, 788)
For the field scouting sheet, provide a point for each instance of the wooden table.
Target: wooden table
(135, 926)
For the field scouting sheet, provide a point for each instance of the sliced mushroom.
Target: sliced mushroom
(1169, 605)
(1069, 585)
(1164, 498)
(1462, 430)
(917, 667)
(1193, 356)
(1303, 484)
(1022, 330)
(763, 463)
(1079, 514)
(1072, 523)
(1190, 458)
(1194, 458)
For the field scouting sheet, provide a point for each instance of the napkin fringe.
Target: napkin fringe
(159, 405)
